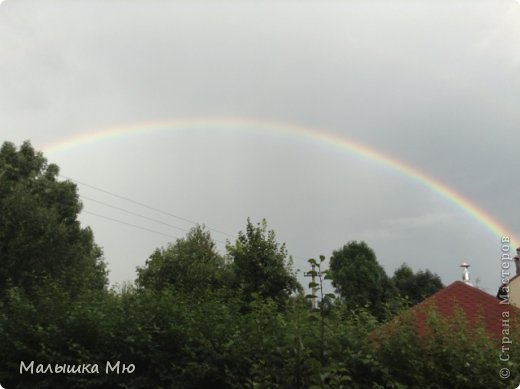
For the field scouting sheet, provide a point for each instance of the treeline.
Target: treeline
(195, 318)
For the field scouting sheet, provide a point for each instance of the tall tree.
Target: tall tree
(261, 265)
(41, 239)
(190, 263)
(359, 279)
(415, 287)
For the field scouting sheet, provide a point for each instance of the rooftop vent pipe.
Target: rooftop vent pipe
(465, 273)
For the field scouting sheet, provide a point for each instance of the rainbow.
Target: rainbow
(238, 124)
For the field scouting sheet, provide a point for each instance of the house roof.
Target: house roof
(476, 304)
(478, 307)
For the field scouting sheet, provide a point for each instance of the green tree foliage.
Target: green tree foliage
(191, 263)
(451, 354)
(316, 286)
(176, 338)
(260, 264)
(359, 279)
(41, 239)
(415, 287)
(173, 340)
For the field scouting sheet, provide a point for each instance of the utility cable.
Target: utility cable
(143, 205)
(143, 216)
(130, 224)
(139, 215)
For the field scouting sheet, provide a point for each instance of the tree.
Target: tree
(260, 264)
(41, 239)
(415, 287)
(191, 263)
(359, 279)
(319, 275)
(452, 352)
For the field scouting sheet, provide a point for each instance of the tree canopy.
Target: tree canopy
(358, 277)
(415, 287)
(200, 320)
(261, 265)
(41, 239)
(190, 263)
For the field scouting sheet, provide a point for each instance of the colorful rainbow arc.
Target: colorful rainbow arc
(317, 135)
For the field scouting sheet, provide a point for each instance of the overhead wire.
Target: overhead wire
(129, 224)
(143, 205)
(139, 215)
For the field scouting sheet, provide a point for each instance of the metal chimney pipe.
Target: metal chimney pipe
(465, 273)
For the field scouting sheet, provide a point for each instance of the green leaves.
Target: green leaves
(197, 321)
(359, 279)
(179, 340)
(191, 264)
(41, 239)
(260, 264)
(415, 287)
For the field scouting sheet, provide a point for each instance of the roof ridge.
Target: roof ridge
(454, 289)
(453, 285)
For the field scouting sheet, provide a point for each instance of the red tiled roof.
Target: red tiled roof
(476, 305)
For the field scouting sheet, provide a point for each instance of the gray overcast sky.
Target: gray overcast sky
(434, 84)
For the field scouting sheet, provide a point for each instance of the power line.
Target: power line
(129, 224)
(139, 215)
(143, 205)
(150, 230)
(143, 216)
(132, 213)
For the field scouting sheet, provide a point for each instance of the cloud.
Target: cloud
(431, 84)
